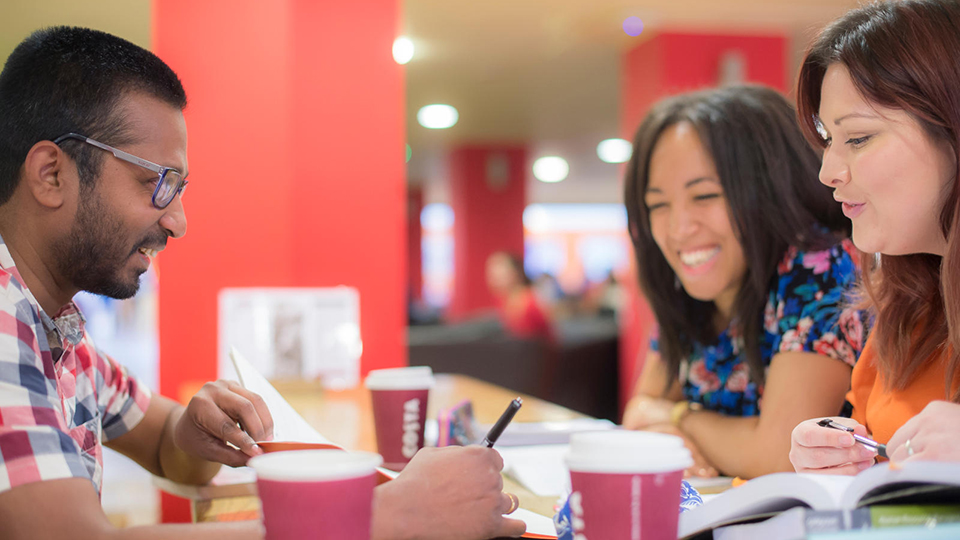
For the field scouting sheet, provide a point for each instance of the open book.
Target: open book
(906, 483)
(288, 425)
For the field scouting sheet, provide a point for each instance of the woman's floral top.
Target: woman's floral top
(807, 311)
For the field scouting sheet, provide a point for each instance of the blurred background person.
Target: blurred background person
(518, 307)
(744, 259)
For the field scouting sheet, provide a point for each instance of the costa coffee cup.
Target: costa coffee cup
(399, 411)
(316, 493)
(626, 485)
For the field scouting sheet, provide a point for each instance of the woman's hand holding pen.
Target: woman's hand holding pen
(932, 435)
(815, 449)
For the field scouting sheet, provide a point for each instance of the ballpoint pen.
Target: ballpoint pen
(501, 424)
(866, 441)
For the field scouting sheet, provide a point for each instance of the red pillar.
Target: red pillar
(414, 241)
(296, 160)
(666, 64)
(488, 195)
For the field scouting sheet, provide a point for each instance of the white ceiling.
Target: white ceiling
(546, 73)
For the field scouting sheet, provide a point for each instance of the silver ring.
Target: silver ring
(909, 449)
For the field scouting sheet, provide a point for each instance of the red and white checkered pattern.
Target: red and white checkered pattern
(60, 397)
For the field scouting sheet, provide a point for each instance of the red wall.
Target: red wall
(296, 153)
(486, 219)
(667, 64)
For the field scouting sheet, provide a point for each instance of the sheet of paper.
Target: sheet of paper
(288, 425)
(537, 526)
(538, 468)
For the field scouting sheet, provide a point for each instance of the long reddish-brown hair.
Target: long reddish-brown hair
(903, 55)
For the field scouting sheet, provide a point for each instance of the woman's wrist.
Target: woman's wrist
(646, 410)
(681, 409)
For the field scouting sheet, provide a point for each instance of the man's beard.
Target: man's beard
(92, 257)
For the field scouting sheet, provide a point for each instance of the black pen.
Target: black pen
(881, 449)
(501, 424)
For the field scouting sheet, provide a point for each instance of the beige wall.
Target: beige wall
(129, 19)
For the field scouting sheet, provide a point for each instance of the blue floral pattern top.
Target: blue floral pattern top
(806, 311)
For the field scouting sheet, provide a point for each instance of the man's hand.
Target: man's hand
(224, 412)
(452, 493)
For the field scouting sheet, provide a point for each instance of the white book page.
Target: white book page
(288, 425)
(536, 524)
(538, 468)
(917, 471)
(770, 493)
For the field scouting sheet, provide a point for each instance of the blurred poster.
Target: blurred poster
(293, 333)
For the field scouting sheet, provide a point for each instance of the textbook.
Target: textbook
(799, 523)
(288, 425)
(904, 483)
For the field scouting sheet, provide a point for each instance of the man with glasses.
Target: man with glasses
(93, 166)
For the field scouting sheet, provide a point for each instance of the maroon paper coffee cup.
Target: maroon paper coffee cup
(399, 411)
(626, 485)
(316, 493)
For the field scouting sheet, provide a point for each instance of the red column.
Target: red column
(488, 195)
(667, 64)
(296, 161)
(414, 240)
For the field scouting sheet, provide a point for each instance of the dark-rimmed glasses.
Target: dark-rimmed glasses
(170, 182)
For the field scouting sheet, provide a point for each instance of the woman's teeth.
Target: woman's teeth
(696, 258)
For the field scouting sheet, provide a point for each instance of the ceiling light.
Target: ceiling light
(437, 116)
(550, 169)
(614, 150)
(402, 50)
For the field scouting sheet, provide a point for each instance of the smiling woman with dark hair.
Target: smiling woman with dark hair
(744, 260)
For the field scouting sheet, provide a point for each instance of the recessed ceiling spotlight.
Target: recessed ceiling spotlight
(437, 116)
(550, 169)
(402, 50)
(614, 150)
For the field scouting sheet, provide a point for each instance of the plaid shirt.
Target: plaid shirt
(60, 397)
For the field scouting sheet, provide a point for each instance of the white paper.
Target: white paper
(538, 468)
(288, 425)
(536, 524)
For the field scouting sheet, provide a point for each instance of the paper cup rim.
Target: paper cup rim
(314, 465)
(408, 378)
(622, 440)
(657, 462)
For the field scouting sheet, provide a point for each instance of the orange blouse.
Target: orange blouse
(883, 411)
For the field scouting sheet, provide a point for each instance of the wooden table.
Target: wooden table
(346, 418)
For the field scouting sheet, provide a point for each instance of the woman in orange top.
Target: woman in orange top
(880, 92)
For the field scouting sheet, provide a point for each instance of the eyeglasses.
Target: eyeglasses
(169, 185)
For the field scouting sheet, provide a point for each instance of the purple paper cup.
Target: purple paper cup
(626, 484)
(399, 411)
(316, 493)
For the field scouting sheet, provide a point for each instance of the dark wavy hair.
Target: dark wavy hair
(903, 55)
(66, 79)
(769, 177)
